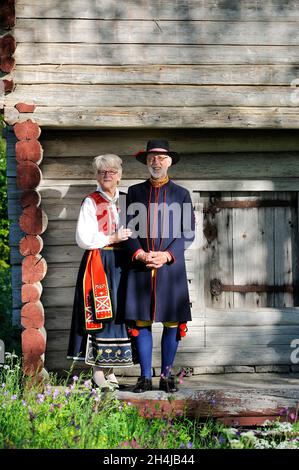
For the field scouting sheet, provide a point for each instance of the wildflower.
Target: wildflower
(87, 383)
(182, 445)
(40, 398)
(75, 378)
(292, 416)
(189, 445)
(55, 393)
(96, 398)
(24, 403)
(6, 367)
(14, 355)
(67, 392)
(13, 397)
(8, 354)
(213, 402)
(3, 385)
(129, 403)
(71, 387)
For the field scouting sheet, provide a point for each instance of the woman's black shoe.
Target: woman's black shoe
(143, 385)
(167, 384)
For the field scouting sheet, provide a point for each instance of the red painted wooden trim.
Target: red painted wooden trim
(32, 315)
(28, 175)
(33, 342)
(31, 293)
(31, 197)
(32, 364)
(29, 150)
(7, 14)
(7, 45)
(34, 268)
(27, 130)
(8, 85)
(33, 220)
(25, 108)
(7, 63)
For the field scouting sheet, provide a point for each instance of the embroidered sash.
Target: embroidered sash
(97, 302)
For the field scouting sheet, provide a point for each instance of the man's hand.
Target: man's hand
(144, 257)
(157, 260)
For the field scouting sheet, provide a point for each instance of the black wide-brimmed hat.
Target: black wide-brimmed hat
(157, 146)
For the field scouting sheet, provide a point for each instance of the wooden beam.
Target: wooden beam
(168, 96)
(161, 117)
(147, 54)
(166, 9)
(45, 30)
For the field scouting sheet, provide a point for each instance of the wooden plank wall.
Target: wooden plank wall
(173, 63)
(218, 337)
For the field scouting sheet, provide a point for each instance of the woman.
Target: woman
(95, 335)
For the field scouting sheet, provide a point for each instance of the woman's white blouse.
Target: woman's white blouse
(88, 236)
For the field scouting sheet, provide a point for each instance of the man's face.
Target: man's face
(158, 164)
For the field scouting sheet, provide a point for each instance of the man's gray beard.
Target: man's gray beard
(157, 174)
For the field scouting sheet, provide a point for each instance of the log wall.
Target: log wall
(181, 63)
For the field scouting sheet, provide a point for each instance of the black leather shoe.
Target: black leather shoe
(143, 385)
(167, 384)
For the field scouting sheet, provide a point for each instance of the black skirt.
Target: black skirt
(110, 346)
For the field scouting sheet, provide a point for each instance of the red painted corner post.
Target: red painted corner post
(33, 222)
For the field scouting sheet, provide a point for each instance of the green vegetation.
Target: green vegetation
(9, 334)
(70, 414)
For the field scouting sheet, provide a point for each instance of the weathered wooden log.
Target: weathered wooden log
(33, 220)
(32, 293)
(30, 197)
(27, 130)
(29, 150)
(7, 63)
(78, 117)
(28, 175)
(34, 341)
(7, 45)
(25, 107)
(34, 268)
(32, 314)
(31, 245)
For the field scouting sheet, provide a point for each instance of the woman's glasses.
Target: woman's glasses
(107, 172)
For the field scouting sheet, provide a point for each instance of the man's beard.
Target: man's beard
(156, 174)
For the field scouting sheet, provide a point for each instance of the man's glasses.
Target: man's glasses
(107, 172)
(159, 158)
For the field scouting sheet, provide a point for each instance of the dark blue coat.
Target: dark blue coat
(167, 299)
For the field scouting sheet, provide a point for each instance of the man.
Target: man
(157, 287)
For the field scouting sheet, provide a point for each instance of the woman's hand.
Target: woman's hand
(120, 235)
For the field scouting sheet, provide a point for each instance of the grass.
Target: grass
(70, 414)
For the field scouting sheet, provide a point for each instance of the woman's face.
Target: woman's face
(108, 178)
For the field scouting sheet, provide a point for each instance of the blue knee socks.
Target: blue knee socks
(144, 343)
(169, 345)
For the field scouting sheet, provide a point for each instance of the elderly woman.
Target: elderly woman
(95, 336)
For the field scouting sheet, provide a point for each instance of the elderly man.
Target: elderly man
(157, 287)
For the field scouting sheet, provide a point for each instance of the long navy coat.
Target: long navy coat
(167, 298)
